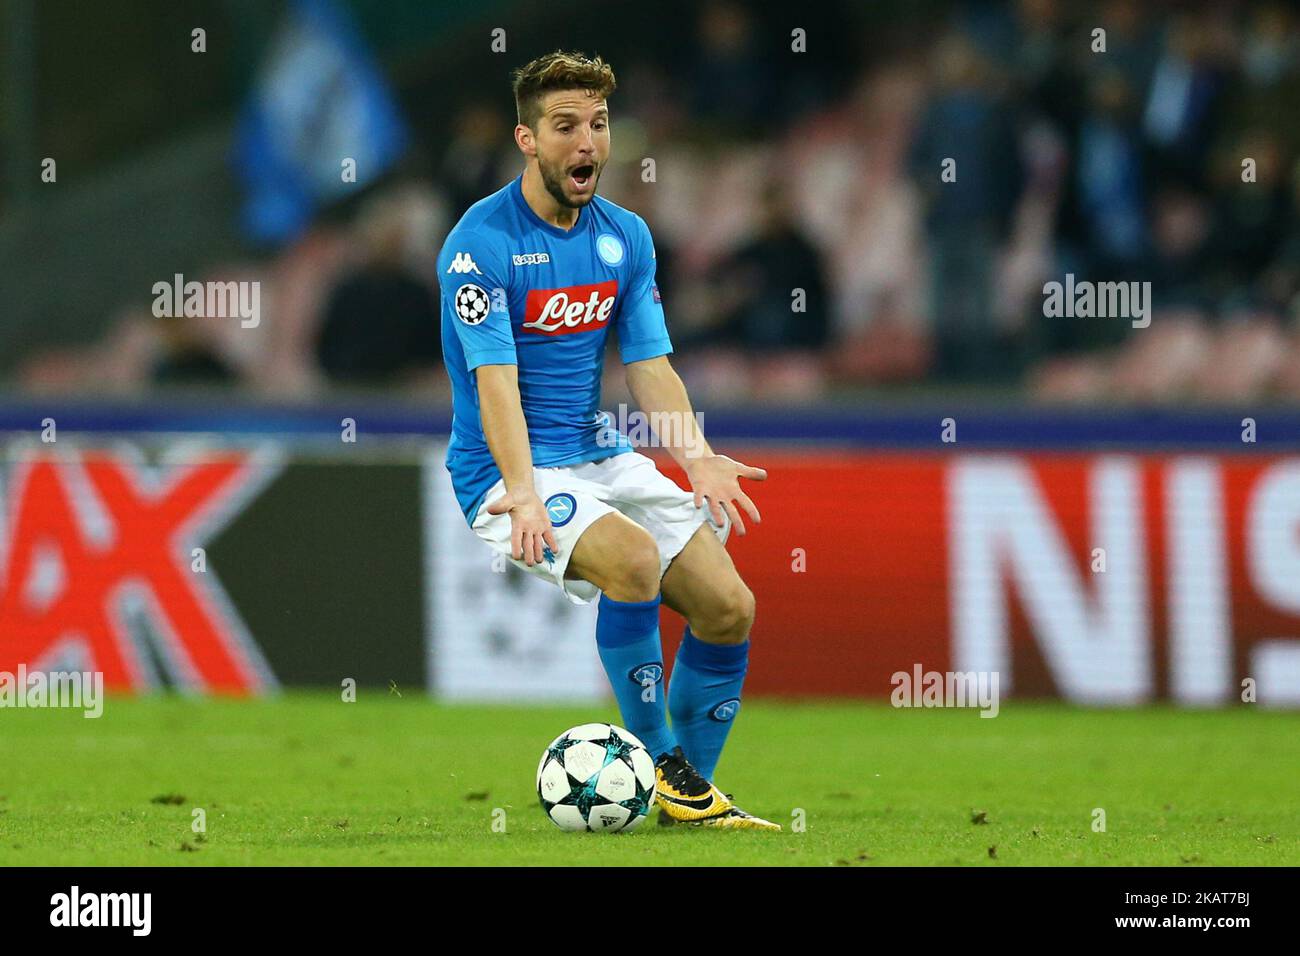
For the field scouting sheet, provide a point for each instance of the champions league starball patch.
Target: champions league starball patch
(472, 303)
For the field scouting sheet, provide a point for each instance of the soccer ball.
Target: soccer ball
(596, 777)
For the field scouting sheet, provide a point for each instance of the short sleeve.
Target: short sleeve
(473, 278)
(642, 331)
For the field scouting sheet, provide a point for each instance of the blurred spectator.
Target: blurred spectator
(1279, 285)
(186, 359)
(730, 82)
(380, 320)
(862, 212)
(1132, 44)
(1182, 97)
(1109, 180)
(773, 296)
(968, 131)
(472, 167)
(1262, 95)
(1122, 165)
(1251, 218)
(623, 183)
(1181, 253)
(1040, 61)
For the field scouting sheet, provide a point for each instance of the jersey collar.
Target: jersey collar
(579, 227)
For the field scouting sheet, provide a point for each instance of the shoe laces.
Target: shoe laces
(681, 776)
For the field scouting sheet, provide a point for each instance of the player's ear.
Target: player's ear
(524, 140)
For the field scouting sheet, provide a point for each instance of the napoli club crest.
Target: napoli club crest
(643, 675)
(726, 710)
(609, 248)
(560, 509)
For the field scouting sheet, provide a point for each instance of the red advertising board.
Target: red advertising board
(90, 540)
(1103, 578)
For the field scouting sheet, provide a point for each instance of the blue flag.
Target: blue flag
(318, 101)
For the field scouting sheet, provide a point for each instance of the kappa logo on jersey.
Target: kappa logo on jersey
(578, 308)
(462, 263)
(531, 259)
(472, 303)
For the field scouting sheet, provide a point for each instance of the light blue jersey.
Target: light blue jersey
(519, 291)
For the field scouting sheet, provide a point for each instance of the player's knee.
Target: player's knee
(638, 574)
(735, 615)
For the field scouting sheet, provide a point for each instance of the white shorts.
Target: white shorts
(577, 495)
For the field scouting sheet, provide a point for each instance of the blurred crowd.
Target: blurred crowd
(896, 228)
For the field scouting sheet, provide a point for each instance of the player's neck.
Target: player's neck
(543, 203)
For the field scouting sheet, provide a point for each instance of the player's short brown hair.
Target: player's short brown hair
(558, 71)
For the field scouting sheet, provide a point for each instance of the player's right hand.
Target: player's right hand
(530, 526)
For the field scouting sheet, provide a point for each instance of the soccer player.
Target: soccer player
(534, 278)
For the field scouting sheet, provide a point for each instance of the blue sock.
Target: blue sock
(627, 637)
(704, 697)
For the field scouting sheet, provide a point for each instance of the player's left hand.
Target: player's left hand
(717, 478)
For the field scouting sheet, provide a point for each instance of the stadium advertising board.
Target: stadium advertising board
(1103, 578)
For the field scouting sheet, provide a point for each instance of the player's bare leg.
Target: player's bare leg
(703, 585)
(621, 558)
(618, 556)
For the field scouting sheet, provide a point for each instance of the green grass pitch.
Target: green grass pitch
(307, 779)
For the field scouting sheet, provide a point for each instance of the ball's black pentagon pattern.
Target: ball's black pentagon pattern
(616, 748)
(644, 796)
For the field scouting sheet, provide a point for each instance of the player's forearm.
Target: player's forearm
(504, 428)
(661, 395)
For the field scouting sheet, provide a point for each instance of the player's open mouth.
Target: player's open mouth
(582, 176)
